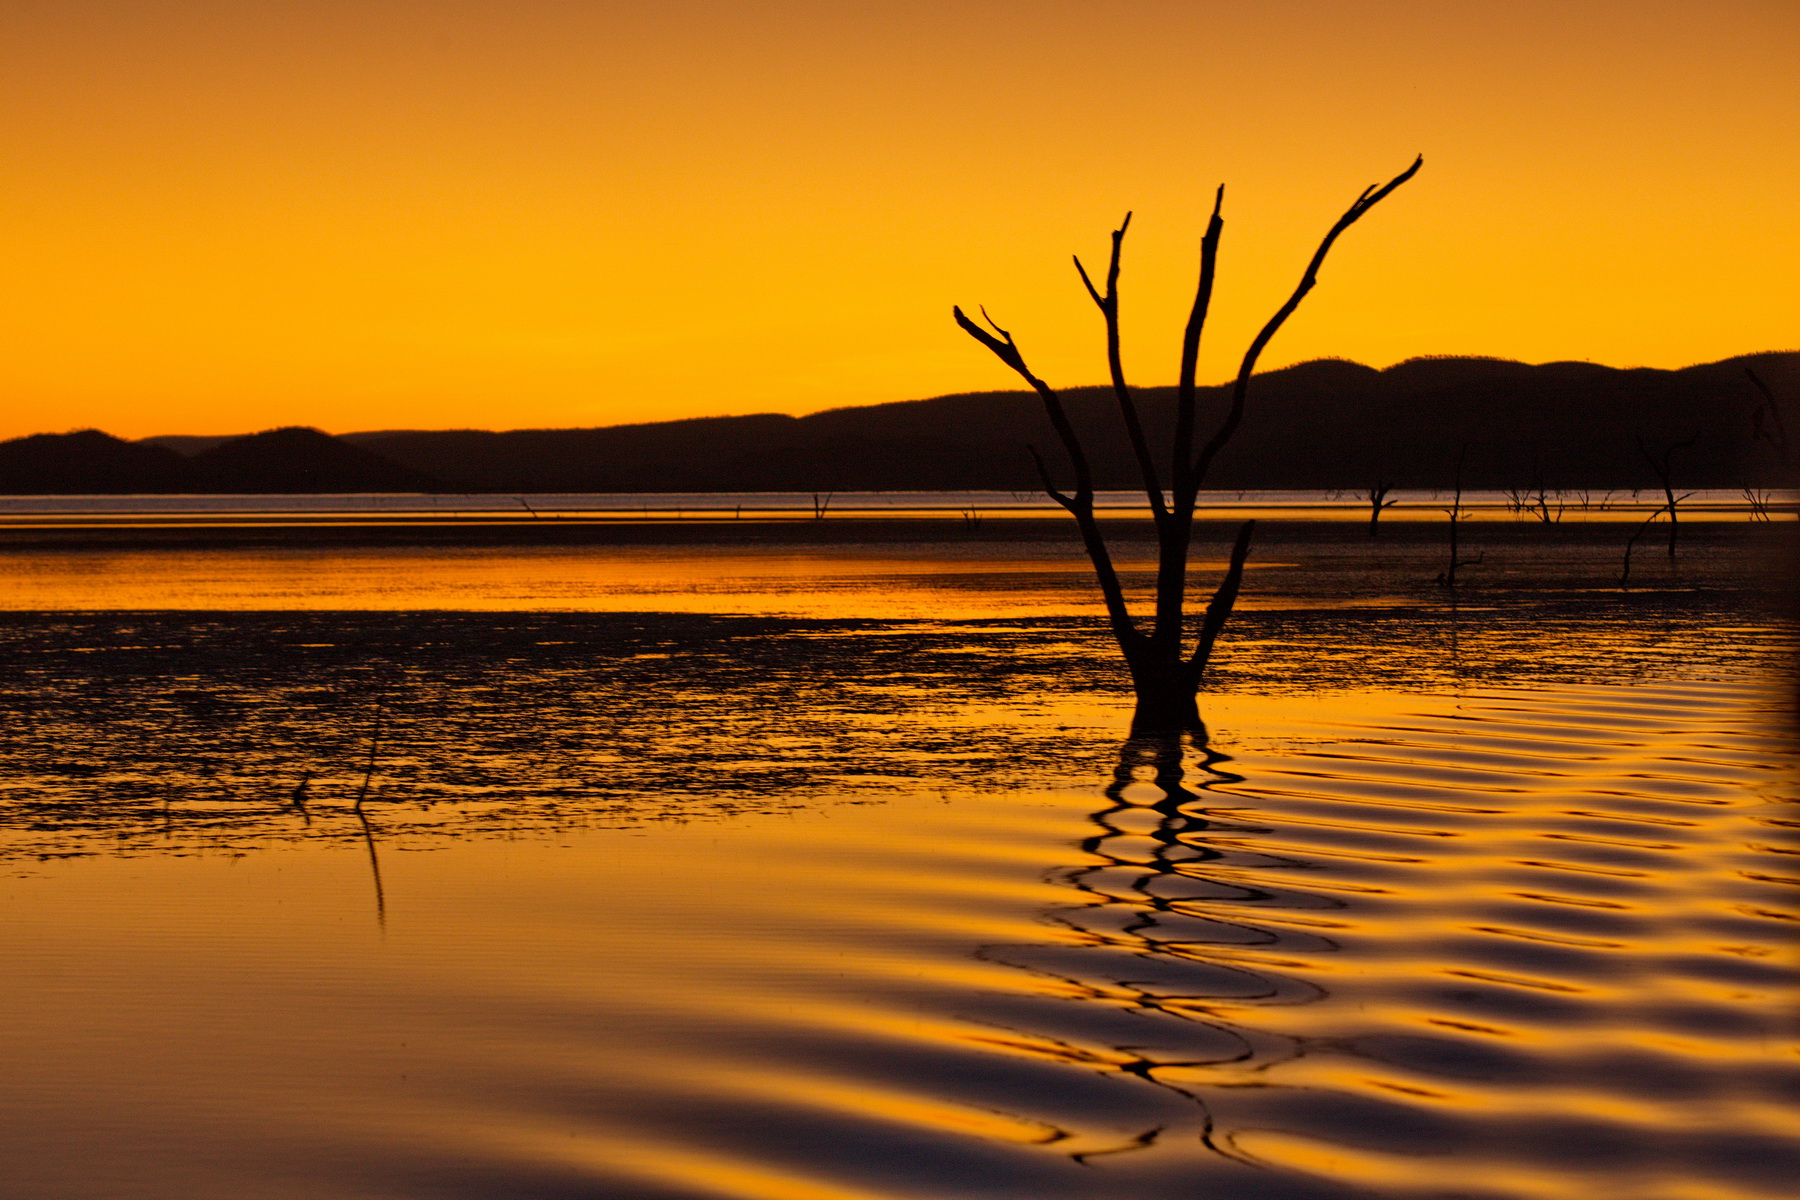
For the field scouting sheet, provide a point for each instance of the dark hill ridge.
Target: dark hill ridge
(87, 462)
(188, 446)
(296, 459)
(1323, 424)
(278, 460)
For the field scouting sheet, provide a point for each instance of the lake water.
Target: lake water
(826, 874)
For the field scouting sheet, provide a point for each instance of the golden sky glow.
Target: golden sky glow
(371, 214)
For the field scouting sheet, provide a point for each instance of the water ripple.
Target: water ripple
(1252, 989)
(1509, 944)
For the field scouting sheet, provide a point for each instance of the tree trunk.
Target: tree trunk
(1168, 696)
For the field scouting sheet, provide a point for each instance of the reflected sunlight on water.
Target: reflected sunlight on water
(877, 582)
(970, 575)
(1487, 900)
(1517, 943)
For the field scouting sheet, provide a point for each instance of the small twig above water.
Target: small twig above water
(362, 818)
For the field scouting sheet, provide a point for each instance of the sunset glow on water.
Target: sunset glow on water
(1537, 935)
(843, 896)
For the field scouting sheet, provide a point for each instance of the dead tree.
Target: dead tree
(1766, 424)
(1447, 577)
(1377, 497)
(1625, 566)
(1665, 476)
(1165, 673)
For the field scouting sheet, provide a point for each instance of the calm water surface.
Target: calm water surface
(803, 897)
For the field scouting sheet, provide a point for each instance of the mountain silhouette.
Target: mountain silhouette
(88, 462)
(1323, 424)
(297, 459)
(186, 445)
(279, 460)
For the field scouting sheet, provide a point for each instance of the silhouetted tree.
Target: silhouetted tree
(1766, 424)
(1447, 577)
(1630, 545)
(1164, 673)
(1665, 475)
(1377, 497)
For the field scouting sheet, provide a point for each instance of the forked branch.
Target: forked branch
(1218, 610)
(1775, 431)
(1665, 475)
(1370, 197)
(1134, 427)
(1081, 504)
(1185, 390)
(1007, 351)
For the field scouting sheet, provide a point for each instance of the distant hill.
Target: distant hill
(302, 460)
(87, 462)
(185, 444)
(279, 460)
(1322, 424)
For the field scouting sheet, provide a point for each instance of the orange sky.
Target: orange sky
(364, 214)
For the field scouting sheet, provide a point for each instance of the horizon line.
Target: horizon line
(1327, 358)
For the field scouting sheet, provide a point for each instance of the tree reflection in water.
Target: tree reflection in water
(1159, 940)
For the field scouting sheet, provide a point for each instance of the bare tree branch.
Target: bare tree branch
(1218, 610)
(1081, 504)
(1050, 488)
(1115, 364)
(1089, 283)
(1448, 576)
(1175, 535)
(1370, 197)
(1007, 351)
(1779, 438)
(1377, 501)
(1118, 616)
(1665, 475)
(1185, 392)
